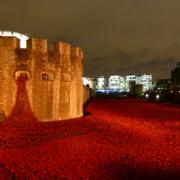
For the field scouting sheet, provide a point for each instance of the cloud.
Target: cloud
(117, 36)
(144, 62)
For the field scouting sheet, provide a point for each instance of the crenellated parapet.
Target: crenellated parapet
(76, 52)
(40, 45)
(76, 60)
(9, 42)
(61, 47)
(37, 55)
(60, 51)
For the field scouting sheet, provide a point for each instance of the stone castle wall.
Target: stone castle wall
(86, 93)
(55, 77)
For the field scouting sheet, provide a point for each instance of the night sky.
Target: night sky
(117, 36)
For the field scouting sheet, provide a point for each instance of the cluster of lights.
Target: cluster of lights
(159, 94)
(120, 83)
(160, 88)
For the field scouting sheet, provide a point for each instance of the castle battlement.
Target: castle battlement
(54, 86)
(35, 44)
(76, 52)
(41, 45)
(9, 42)
(62, 48)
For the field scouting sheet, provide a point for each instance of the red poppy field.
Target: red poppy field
(117, 139)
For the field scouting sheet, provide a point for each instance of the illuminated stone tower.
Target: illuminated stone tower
(55, 77)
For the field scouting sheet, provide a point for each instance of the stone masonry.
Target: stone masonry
(54, 85)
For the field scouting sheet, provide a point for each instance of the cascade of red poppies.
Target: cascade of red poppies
(21, 114)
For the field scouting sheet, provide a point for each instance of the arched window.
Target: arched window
(47, 76)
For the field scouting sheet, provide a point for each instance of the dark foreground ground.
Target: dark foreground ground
(118, 139)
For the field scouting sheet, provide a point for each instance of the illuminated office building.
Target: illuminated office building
(90, 82)
(145, 80)
(120, 83)
(101, 83)
(129, 78)
(117, 83)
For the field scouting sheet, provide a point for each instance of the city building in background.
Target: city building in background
(101, 83)
(116, 83)
(161, 84)
(145, 80)
(175, 75)
(90, 85)
(91, 82)
(129, 79)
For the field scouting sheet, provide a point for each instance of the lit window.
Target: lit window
(45, 77)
